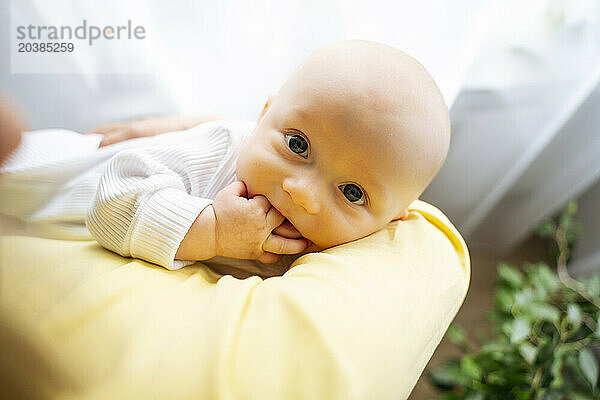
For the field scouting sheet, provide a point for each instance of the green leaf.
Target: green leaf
(475, 396)
(541, 311)
(447, 376)
(495, 378)
(528, 351)
(510, 275)
(579, 396)
(495, 346)
(519, 394)
(566, 221)
(506, 327)
(553, 394)
(571, 208)
(546, 229)
(456, 335)
(574, 315)
(519, 330)
(589, 366)
(504, 300)
(540, 292)
(578, 379)
(469, 367)
(546, 347)
(597, 332)
(593, 284)
(556, 368)
(542, 274)
(524, 296)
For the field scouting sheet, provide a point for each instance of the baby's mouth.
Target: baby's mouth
(286, 218)
(288, 221)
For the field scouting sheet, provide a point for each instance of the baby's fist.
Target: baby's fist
(244, 227)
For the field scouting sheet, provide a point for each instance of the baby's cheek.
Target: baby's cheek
(344, 230)
(331, 234)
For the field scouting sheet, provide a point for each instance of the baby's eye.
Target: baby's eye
(297, 144)
(353, 193)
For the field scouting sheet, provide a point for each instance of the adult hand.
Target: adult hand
(11, 127)
(118, 132)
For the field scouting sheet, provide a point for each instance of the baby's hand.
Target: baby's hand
(244, 227)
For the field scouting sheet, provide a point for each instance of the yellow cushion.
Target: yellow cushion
(357, 321)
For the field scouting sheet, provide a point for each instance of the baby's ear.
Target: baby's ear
(401, 215)
(267, 105)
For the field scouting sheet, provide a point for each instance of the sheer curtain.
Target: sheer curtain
(520, 78)
(526, 129)
(226, 57)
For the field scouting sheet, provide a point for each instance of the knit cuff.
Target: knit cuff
(162, 221)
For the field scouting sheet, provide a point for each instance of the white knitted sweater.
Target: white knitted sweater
(138, 198)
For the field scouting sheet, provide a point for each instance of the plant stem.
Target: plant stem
(536, 379)
(563, 274)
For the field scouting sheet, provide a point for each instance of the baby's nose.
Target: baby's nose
(302, 194)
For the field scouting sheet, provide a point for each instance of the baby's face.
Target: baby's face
(326, 163)
(351, 139)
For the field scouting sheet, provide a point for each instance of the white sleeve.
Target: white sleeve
(148, 198)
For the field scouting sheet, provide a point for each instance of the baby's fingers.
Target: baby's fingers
(237, 189)
(269, 258)
(279, 245)
(286, 229)
(262, 202)
(274, 217)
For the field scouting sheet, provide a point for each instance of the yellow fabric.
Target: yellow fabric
(357, 321)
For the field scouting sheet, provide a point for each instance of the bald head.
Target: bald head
(385, 94)
(353, 137)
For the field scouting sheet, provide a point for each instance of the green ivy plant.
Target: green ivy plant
(546, 332)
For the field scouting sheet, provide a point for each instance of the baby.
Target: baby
(351, 139)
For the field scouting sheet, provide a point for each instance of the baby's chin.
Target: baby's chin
(313, 248)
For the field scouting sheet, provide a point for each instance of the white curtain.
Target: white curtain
(521, 80)
(526, 129)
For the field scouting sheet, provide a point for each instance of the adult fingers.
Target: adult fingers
(286, 229)
(113, 137)
(280, 245)
(104, 128)
(269, 258)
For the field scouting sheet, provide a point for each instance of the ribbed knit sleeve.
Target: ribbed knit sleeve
(148, 198)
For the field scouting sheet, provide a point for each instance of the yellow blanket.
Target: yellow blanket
(357, 321)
